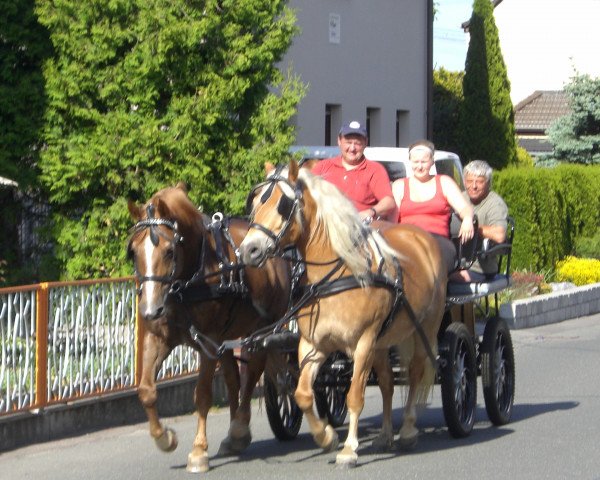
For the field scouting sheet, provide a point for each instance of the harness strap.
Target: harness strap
(348, 283)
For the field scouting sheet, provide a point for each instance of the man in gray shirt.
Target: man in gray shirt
(491, 213)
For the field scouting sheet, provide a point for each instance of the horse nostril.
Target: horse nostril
(159, 312)
(254, 253)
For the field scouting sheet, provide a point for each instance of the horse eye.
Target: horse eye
(169, 253)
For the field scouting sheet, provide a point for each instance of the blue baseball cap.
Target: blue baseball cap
(353, 128)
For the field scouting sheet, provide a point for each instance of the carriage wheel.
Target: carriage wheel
(332, 385)
(285, 417)
(459, 380)
(498, 371)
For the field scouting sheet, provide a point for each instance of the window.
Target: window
(332, 118)
(374, 125)
(402, 128)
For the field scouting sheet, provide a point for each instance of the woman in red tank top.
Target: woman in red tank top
(426, 200)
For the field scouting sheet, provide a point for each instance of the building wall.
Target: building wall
(380, 63)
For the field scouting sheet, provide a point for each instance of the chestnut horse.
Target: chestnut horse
(194, 291)
(371, 290)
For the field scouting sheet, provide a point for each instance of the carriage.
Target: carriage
(468, 349)
(204, 296)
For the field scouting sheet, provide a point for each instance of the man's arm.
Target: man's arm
(497, 233)
(385, 208)
(493, 222)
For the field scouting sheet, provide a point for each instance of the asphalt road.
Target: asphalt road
(554, 432)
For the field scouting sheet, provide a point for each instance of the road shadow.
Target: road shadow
(434, 437)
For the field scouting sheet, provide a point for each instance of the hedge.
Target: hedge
(552, 207)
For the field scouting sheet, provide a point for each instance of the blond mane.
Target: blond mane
(359, 247)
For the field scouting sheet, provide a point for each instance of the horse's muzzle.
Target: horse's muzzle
(255, 251)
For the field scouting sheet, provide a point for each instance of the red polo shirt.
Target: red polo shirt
(365, 185)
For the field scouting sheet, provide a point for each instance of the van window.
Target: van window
(395, 170)
(448, 167)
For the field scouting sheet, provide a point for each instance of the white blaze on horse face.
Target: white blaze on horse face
(148, 250)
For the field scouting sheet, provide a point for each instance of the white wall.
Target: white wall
(379, 62)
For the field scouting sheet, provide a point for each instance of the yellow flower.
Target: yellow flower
(580, 271)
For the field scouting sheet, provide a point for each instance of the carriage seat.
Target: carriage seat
(494, 283)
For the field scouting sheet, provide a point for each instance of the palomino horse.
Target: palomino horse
(367, 291)
(193, 290)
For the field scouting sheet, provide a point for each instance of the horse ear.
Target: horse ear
(269, 167)
(162, 209)
(293, 171)
(182, 186)
(134, 210)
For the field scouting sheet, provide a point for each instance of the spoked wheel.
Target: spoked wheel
(331, 388)
(498, 371)
(285, 417)
(459, 380)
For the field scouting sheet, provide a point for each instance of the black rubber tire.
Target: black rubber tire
(459, 380)
(330, 399)
(285, 417)
(498, 371)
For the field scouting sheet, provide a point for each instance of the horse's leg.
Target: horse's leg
(198, 457)
(155, 351)
(363, 360)
(385, 379)
(420, 379)
(310, 361)
(239, 436)
(231, 372)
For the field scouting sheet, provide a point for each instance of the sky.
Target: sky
(543, 42)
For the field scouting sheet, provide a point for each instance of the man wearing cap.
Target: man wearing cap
(364, 182)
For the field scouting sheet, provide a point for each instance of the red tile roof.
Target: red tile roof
(540, 110)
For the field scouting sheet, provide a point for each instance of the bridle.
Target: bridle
(286, 207)
(152, 223)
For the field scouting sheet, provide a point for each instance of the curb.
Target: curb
(552, 307)
(73, 418)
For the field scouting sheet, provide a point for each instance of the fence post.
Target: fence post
(139, 343)
(41, 346)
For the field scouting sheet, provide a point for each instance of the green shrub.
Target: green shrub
(580, 271)
(588, 247)
(552, 208)
(524, 159)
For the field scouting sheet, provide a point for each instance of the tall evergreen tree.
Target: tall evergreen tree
(24, 45)
(447, 101)
(487, 128)
(576, 137)
(142, 93)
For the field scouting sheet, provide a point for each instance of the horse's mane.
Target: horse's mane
(349, 237)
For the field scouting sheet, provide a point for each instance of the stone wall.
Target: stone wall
(552, 307)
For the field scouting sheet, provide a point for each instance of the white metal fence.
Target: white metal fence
(65, 340)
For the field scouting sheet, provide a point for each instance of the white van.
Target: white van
(395, 160)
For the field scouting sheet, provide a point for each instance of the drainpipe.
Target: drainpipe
(429, 72)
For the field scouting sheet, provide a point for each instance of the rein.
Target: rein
(230, 273)
(325, 286)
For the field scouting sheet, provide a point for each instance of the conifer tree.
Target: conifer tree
(447, 100)
(487, 129)
(24, 45)
(144, 93)
(576, 137)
